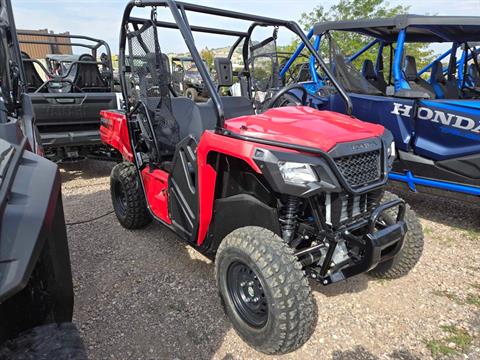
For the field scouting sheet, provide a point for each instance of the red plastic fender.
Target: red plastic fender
(207, 175)
(156, 189)
(114, 132)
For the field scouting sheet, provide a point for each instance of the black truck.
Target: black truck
(68, 91)
(36, 291)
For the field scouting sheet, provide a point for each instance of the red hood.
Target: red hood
(302, 125)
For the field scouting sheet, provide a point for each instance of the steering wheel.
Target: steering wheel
(289, 97)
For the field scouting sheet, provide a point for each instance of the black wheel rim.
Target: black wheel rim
(120, 198)
(247, 294)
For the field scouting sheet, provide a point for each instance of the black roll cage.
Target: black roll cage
(14, 52)
(96, 44)
(178, 10)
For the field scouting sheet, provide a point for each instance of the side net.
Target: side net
(264, 65)
(150, 79)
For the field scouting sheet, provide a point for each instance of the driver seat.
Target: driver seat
(443, 88)
(415, 81)
(88, 77)
(32, 77)
(304, 73)
(375, 78)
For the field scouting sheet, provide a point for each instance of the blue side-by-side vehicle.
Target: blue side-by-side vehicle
(434, 113)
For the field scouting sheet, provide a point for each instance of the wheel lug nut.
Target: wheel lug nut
(255, 299)
(243, 283)
(250, 283)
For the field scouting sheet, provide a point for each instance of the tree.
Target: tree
(350, 42)
(208, 55)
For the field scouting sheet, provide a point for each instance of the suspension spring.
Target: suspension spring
(290, 218)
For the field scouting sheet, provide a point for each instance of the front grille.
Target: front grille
(360, 169)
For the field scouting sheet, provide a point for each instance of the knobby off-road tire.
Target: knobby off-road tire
(53, 341)
(279, 282)
(412, 248)
(127, 197)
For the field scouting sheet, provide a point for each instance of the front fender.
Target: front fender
(238, 211)
(32, 215)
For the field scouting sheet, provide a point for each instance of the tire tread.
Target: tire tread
(137, 215)
(412, 249)
(53, 341)
(289, 286)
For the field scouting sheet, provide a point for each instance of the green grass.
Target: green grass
(457, 341)
(460, 337)
(427, 230)
(474, 234)
(473, 299)
(449, 295)
(437, 348)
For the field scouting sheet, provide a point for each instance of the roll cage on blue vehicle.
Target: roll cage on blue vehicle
(435, 119)
(465, 68)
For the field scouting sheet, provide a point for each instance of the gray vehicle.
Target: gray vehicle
(69, 93)
(186, 79)
(36, 292)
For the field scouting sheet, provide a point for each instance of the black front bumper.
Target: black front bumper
(379, 245)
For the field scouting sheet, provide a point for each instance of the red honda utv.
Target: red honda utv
(275, 199)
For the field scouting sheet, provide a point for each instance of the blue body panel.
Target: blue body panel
(441, 141)
(428, 138)
(377, 109)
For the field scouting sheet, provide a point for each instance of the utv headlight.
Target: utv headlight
(391, 150)
(297, 173)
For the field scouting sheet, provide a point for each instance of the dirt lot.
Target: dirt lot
(146, 295)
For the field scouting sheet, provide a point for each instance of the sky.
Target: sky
(101, 19)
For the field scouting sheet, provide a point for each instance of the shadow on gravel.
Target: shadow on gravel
(85, 169)
(141, 294)
(355, 284)
(360, 353)
(444, 210)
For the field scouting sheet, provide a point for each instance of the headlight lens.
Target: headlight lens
(391, 150)
(297, 173)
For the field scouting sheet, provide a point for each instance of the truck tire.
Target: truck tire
(127, 197)
(53, 341)
(264, 291)
(191, 93)
(412, 248)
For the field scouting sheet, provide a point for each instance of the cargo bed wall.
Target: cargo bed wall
(71, 109)
(70, 119)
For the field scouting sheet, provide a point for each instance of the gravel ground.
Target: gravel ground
(146, 295)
